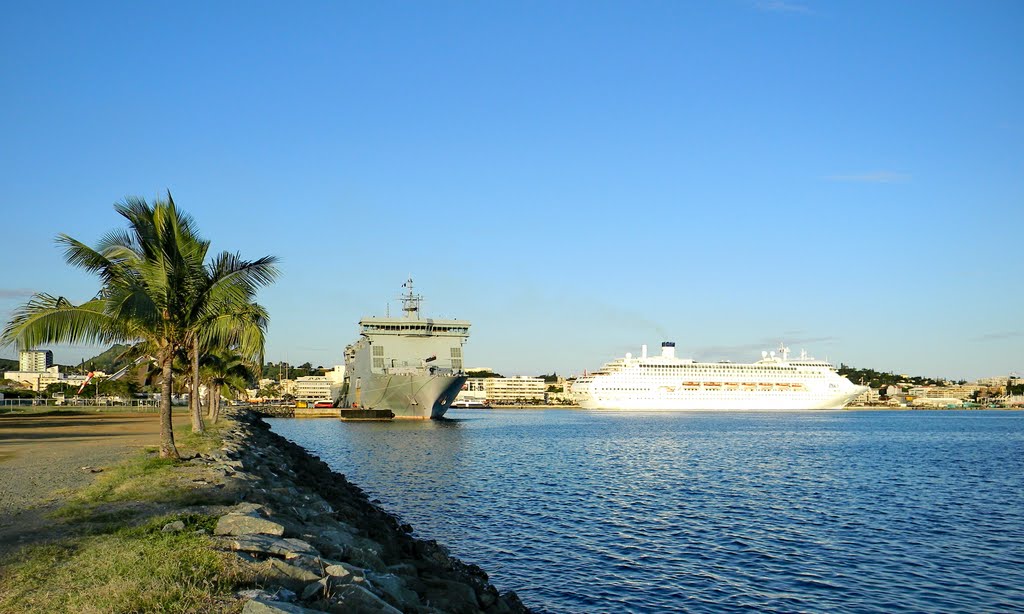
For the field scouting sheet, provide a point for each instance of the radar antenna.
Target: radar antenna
(410, 301)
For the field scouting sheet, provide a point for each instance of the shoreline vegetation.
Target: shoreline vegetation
(250, 523)
(174, 303)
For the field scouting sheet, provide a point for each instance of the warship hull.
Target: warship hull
(416, 397)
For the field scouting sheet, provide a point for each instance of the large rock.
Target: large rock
(244, 524)
(451, 596)
(267, 544)
(366, 553)
(248, 509)
(334, 542)
(354, 599)
(262, 606)
(297, 575)
(394, 589)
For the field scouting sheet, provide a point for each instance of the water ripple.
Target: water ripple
(795, 512)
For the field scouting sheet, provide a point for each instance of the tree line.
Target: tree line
(878, 379)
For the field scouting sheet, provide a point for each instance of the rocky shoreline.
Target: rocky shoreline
(319, 544)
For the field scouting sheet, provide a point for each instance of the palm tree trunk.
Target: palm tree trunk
(214, 401)
(209, 402)
(197, 412)
(167, 448)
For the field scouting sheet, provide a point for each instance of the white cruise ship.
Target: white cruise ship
(663, 383)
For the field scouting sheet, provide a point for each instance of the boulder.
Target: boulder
(267, 544)
(354, 599)
(262, 606)
(249, 509)
(239, 524)
(394, 589)
(297, 575)
(333, 542)
(344, 570)
(451, 596)
(173, 527)
(403, 569)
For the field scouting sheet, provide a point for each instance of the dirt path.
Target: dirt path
(41, 458)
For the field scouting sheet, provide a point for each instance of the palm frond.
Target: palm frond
(52, 319)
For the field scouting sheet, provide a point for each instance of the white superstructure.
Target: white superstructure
(657, 383)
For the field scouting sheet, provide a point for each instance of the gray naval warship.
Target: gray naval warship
(409, 365)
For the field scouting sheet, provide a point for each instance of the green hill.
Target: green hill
(108, 361)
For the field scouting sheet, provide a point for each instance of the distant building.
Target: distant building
(504, 390)
(34, 360)
(474, 390)
(999, 380)
(336, 375)
(870, 396)
(318, 388)
(287, 386)
(956, 391)
(39, 380)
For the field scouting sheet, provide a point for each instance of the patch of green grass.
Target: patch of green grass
(142, 477)
(147, 478)
(137, 569)
(202, 443)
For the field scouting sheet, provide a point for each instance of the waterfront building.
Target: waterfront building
(474, 389)
(871, 396)
(287, 386)
(518, 389)
(316, 388)
(960, 392)
(35, 361)
(336, 375)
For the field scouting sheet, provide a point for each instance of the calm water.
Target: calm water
(610, 512)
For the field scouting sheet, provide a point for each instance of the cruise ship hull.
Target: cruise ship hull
(417, 397)
(725, 401)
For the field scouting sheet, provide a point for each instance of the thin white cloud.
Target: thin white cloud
(16, 292)
(778, 6)
(875, 177)
(1000, 336)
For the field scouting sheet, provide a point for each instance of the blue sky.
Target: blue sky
(575, 178)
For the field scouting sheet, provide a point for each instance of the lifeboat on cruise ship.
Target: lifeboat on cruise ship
(712, 385)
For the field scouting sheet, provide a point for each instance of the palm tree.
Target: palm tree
(155, 291)
(223, 315)
(224, 369)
